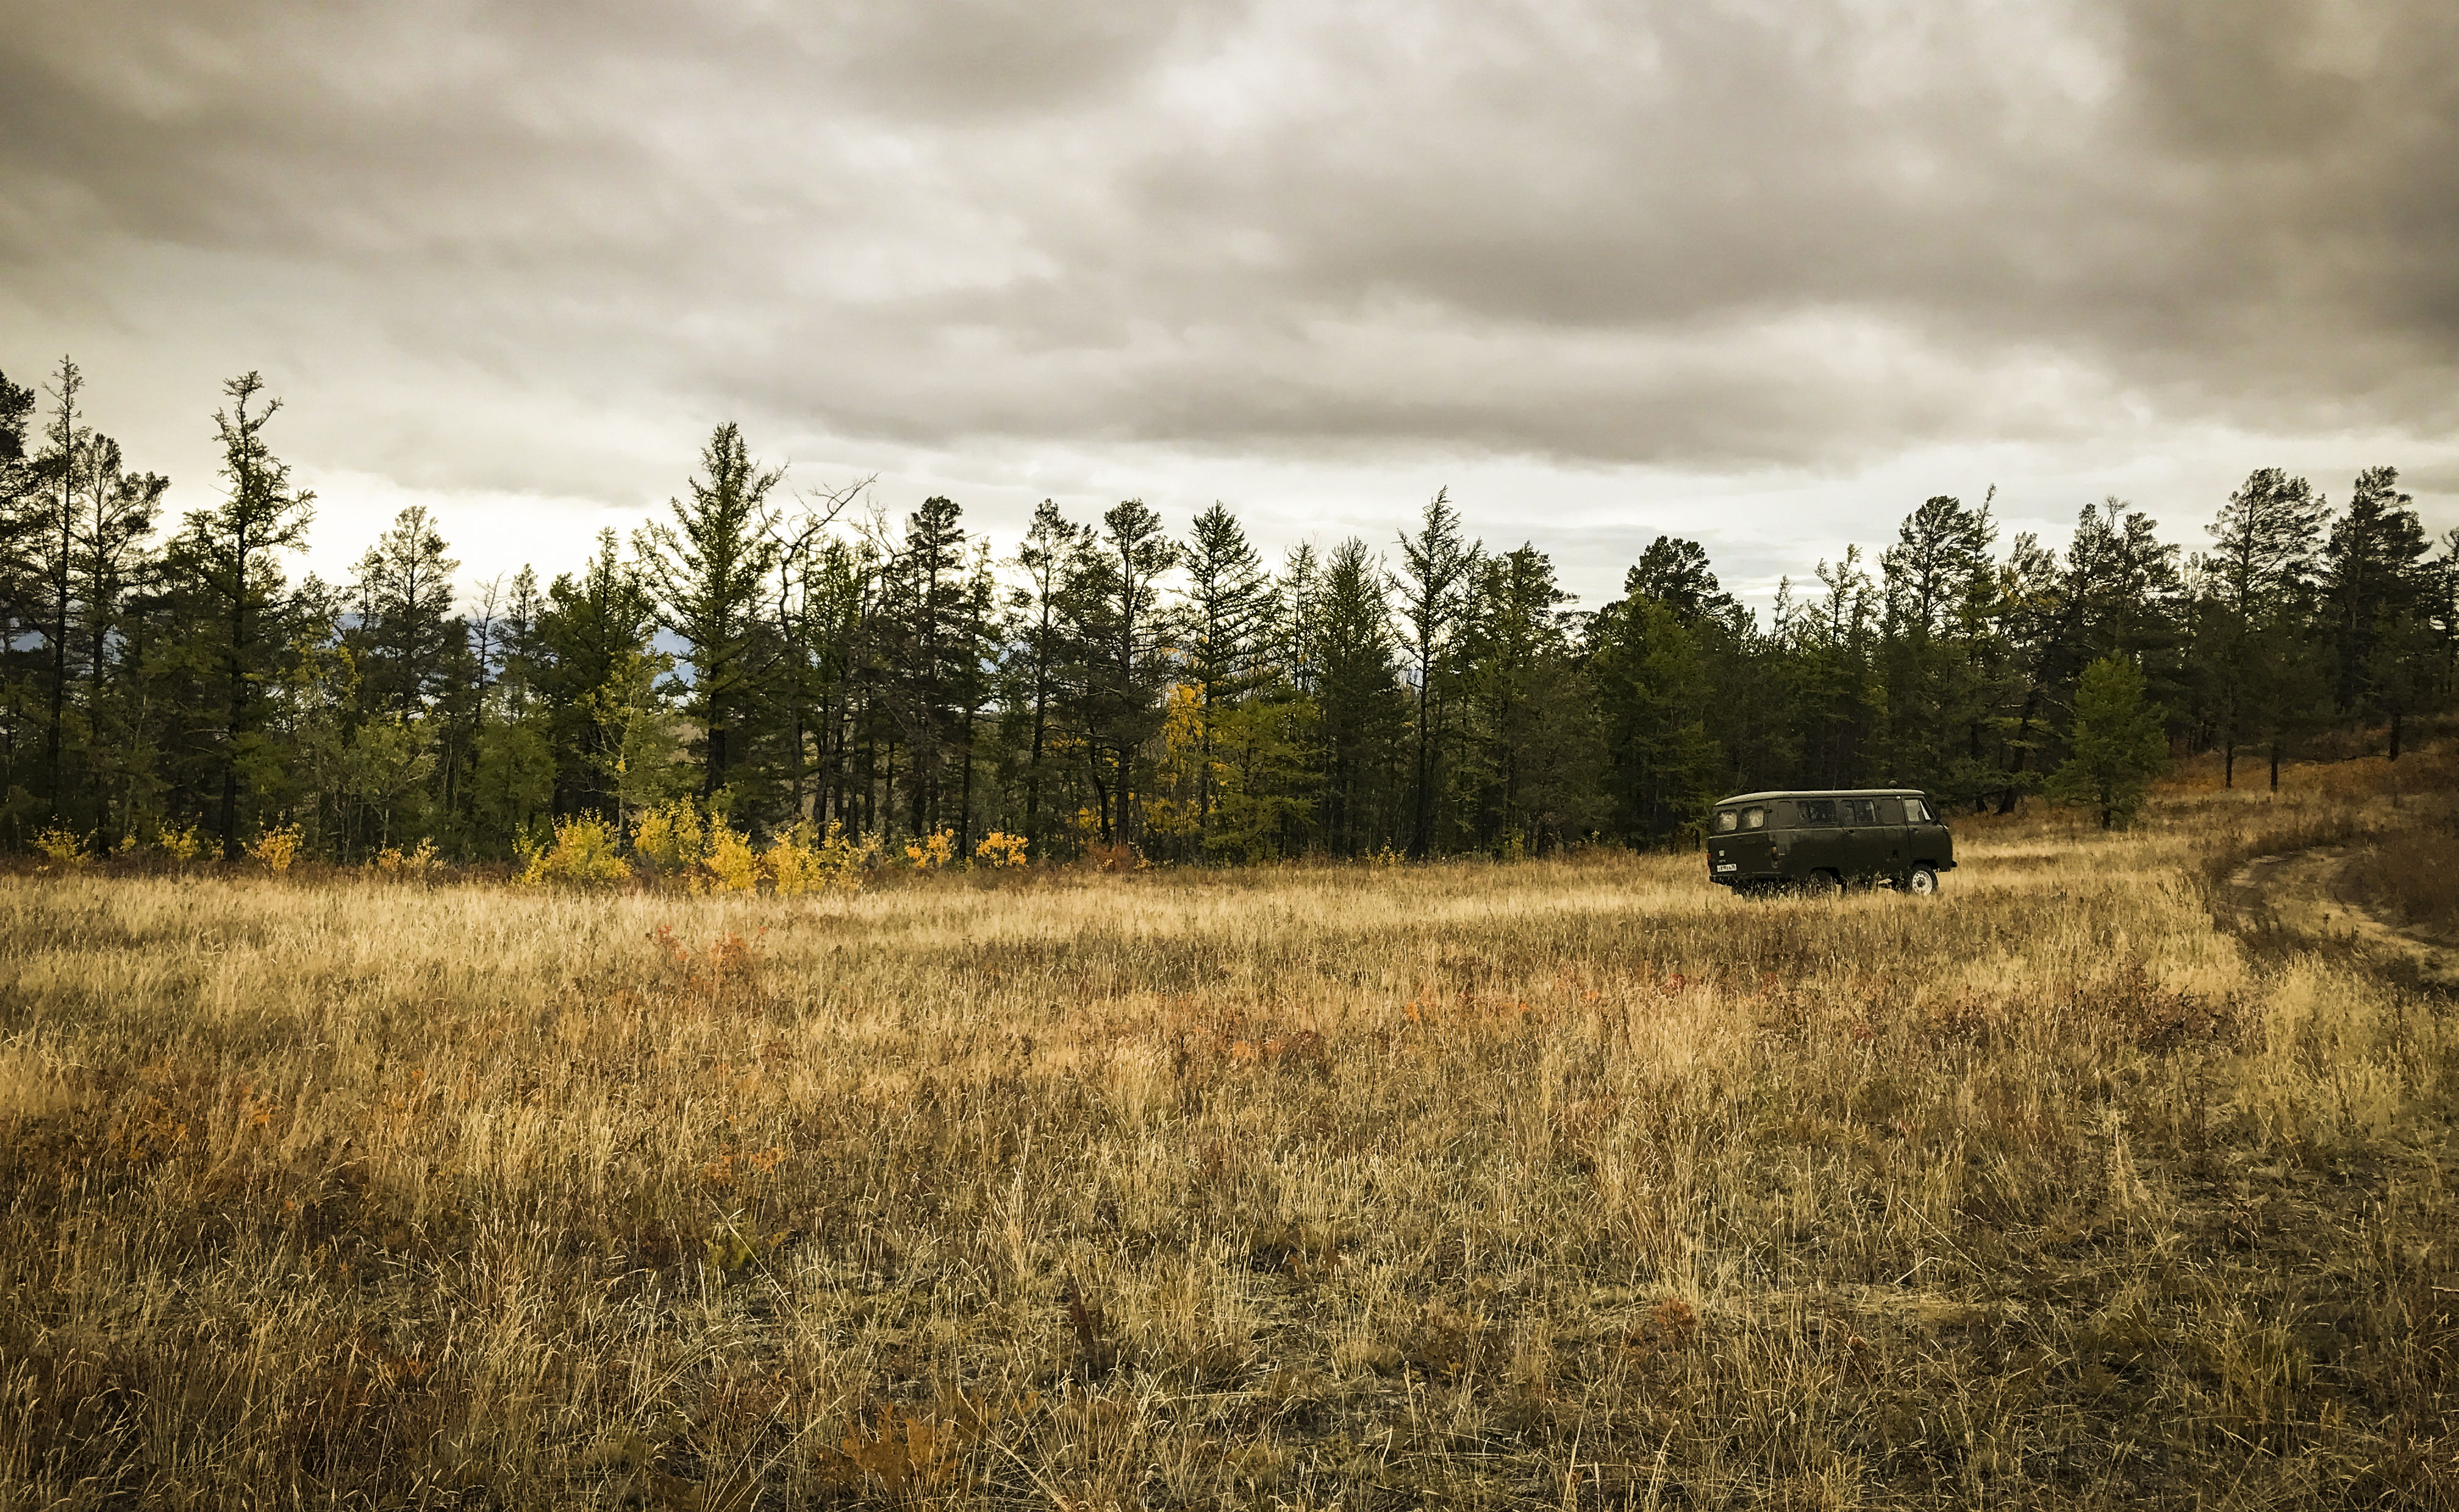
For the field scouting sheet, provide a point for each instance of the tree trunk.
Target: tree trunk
(57, 633)
(966, 793)
(238, 710)
(1036, 839)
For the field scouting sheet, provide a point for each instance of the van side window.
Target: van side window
(1861, 811)
(1817, 810)
(1917, 811)
(1891, 811)
(1753, 818)
(1725, 821)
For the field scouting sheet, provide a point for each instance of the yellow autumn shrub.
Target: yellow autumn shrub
(672, 839)
(582, 855)
(932, 852)
(999, 848)
(63, 846)
(276, 848)
(733, 866)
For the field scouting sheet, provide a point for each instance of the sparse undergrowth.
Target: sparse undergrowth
(1562, 1183)
(2410, 875)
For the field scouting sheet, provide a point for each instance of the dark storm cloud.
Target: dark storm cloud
(1697, 235)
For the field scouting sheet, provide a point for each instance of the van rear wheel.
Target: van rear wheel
(1922, 883)
(1824, 885)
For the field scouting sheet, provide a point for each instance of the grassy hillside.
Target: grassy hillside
(1573, 1183)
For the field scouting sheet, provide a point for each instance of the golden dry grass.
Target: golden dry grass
(1567, 1183)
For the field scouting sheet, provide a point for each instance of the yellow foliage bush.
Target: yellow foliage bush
(582, 855)
(181, 846)
(64, 846)
(733, 866)
(418, 862)
(672, 839)
(1001, 850)
(802, 862)
(794, 865)
(932, 852)
(277, 849)
(843, 857)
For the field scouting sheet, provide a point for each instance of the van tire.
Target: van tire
(1922, 883)
(1824, 885)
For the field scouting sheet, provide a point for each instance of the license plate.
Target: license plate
(1728, 866)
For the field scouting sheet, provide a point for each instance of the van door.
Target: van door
(1740, 847)
(1818, 841)
(1928, 840)
(1865, 843)
(1891, 824)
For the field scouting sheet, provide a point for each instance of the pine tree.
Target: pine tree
(1129, 641)
(1675, 573)
(17, 611)
(1830, 646)
(45, 535)
(512, 780)
(2116, 746)
(1530, 776)
(407, 630)
(1937, 580)
(2256, 584)
(1228, 618)
(1438, 580)
(1652, 690)
(228, 559)
(709, 572)
(593, 634)
(1039, 623)
(107, 554)
(809, 630)
(1356, 685)
(929, 652)
(2373, 584)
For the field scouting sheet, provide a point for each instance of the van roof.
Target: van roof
(1824, 792)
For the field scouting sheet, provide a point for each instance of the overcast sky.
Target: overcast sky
(1766, 274)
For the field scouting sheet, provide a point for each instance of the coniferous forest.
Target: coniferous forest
(1120, 681)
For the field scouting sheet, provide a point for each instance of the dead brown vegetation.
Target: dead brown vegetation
(1573, 1184)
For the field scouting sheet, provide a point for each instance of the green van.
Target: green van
(1829, 841)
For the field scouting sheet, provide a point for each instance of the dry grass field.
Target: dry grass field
(1571, 1183)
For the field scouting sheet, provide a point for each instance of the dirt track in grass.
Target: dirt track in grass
(2304, 893)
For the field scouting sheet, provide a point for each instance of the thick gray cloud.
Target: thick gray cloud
(526, 248)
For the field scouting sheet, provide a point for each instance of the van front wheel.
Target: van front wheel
(1923, 882)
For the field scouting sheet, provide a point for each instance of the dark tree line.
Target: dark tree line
(1109, 683)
